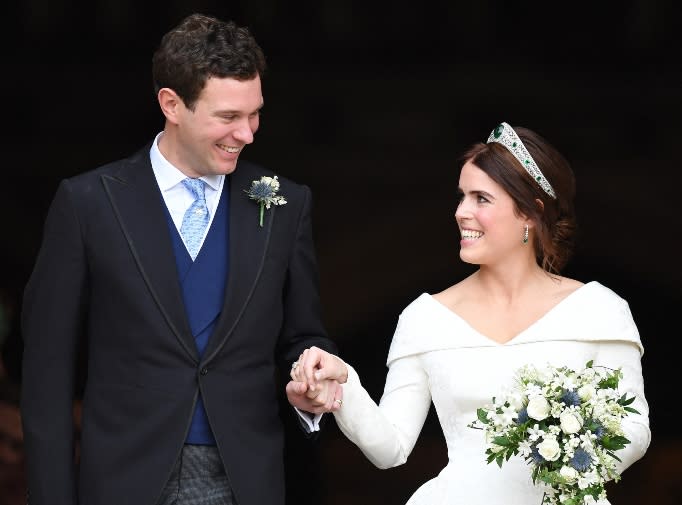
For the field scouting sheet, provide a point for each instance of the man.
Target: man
(192, 285)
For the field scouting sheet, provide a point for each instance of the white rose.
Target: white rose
(538, 408)
(586, 392)
(571, 422)
(569, 473)
(549, 449)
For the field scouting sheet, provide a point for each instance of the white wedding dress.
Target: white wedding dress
(436, 356)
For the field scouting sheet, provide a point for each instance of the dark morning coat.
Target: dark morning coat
(106, 272)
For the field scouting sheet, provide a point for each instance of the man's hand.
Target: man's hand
(327, 396)
(316, 381)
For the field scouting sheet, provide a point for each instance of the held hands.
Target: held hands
(316, 381)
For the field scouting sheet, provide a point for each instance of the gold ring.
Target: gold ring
(340, 402)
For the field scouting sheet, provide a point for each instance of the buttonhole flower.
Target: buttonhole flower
(264, 192)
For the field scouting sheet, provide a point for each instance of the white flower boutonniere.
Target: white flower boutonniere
(264, 191)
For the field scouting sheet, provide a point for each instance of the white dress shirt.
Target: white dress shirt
(176, 196)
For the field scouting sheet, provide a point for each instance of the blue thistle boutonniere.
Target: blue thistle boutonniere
(264, 191)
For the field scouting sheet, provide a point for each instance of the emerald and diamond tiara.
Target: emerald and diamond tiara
(505, 135)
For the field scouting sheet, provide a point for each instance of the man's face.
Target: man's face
(224, 120)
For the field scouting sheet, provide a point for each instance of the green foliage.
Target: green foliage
(614, 443)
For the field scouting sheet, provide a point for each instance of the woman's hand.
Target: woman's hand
(316, 378)
(315, 365)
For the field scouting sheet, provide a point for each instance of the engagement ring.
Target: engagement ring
(294, 365)
(340, 402)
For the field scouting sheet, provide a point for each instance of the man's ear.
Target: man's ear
(170, 104)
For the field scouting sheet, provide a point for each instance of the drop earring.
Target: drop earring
(525, 234)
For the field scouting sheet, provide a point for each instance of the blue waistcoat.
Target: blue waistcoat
(203, 282)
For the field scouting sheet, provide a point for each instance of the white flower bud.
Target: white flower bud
(496, 448)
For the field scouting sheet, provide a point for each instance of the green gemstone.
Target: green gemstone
(527, 162)
(498, 131)
(513, 144)
(538, 178)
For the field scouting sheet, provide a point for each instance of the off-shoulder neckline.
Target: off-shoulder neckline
(547, 315)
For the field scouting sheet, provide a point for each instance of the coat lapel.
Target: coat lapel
(248, 247)
(139, 208)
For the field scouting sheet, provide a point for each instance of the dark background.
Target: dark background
(370, 103)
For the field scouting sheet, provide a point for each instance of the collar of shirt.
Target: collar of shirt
(176, 197)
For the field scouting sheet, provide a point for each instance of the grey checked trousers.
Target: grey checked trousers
(198, 479)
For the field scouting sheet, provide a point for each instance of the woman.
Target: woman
(460, 347)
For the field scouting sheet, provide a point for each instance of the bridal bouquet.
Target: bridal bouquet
(566, 424)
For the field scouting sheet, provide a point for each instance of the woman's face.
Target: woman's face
(490, 227)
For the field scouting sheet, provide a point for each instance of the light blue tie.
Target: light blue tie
(196, 217)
